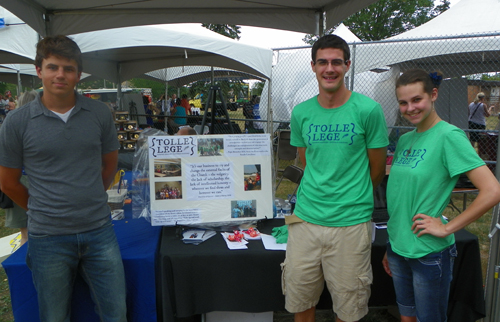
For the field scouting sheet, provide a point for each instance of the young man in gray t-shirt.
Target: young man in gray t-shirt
(68, 147)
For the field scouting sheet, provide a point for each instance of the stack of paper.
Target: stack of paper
(196, 236)
(234, 244)
(270, 243)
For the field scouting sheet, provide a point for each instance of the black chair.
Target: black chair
(294, 174)
(285, 151)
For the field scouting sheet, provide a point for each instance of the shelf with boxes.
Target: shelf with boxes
(127, 130)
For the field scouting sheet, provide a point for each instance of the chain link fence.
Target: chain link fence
(469, 64)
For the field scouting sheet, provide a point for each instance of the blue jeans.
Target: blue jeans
(423, 284)
(55, 261)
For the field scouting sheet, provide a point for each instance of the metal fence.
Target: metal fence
(469, 64)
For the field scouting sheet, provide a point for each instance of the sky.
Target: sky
(274, 38)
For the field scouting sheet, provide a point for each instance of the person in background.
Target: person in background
(69, 221)
(477, 117)
(341, 137)
(11, 105)
(16, 217)
(173, 101)
(6, 97)
(175, 122)
(3, 113)
(421, 247)
(149, 112)
(185, 104)
(163, 106)
(256, 114)
(186, 130)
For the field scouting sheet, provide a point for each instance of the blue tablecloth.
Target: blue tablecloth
(139, 248)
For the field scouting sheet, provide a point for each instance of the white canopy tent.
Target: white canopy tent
(19, 74)
(427, 52)
(123, 53)
(11, 73)
(49, 17)
(472, 29)
(180, 76)
(17, 40)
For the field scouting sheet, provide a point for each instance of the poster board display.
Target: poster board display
(210, 179)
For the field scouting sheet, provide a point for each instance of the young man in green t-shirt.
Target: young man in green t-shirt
(342, 142)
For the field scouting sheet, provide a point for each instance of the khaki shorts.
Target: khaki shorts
(341, 256)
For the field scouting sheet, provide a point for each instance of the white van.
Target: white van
(132, 101)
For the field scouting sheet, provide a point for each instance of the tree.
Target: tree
(387, 18)
(4, 87)
(98, 83)
(257, 88)
(157, 87)
(231, 31)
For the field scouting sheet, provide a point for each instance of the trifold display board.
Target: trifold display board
(210, 178)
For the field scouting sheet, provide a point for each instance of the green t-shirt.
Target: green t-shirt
(422, 182)
(336, 189)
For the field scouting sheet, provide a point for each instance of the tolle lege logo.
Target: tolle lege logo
(332, 133)
(160, 146)
(408, 158)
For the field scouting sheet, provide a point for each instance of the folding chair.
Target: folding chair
(294, 174)
(285, 151)
(197, 128)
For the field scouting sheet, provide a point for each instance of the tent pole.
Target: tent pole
(492, 283)
(119, 88)
(19, 84)
(269, 106)
(320, 23)
(166, 104)
(353, 61)
(166, 93)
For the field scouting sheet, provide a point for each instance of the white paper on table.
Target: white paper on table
(270, 243)
(234, 244)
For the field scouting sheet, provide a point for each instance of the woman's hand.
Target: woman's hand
(385, 263)
(423, 224)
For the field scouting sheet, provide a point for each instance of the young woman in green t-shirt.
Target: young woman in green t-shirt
(426, 166)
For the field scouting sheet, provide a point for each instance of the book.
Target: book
(196, 236)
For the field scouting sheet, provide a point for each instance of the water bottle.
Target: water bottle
(277, 206)
(287, 208)
(293, 201)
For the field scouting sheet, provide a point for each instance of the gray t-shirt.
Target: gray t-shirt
(63, 162)
(476, 112)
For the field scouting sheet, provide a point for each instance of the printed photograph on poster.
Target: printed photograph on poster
(168, 190)
(243, 208)
(167, 168)
(210, 147)
(252, 179)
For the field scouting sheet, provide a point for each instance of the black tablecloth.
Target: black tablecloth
(210, 277)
